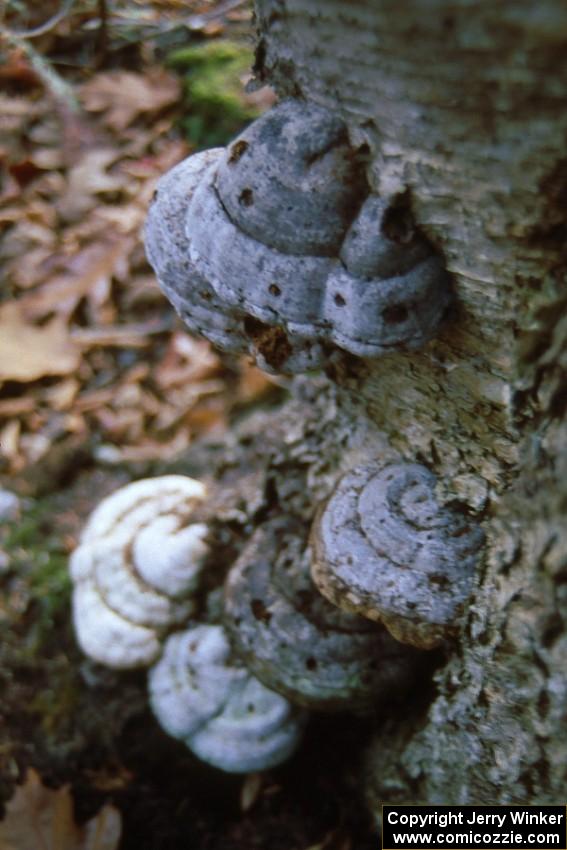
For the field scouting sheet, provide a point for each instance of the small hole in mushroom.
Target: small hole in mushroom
(396, 314)
(397, 225)
(251, 708)
(339, 300)
(274, 289)
(155, 196)
(260, 611)
(236, 151)
(246, 198)
(438, 580)
(311, 663)
(206, 296)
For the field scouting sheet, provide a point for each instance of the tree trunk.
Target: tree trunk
(463, 108)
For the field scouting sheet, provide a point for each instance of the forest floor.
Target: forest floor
(99, 382)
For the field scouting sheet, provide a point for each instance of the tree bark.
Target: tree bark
(463, 109)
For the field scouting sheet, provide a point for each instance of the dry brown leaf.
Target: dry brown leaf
(186, 360)
(17, 406)
(253, 383)
(250, 791)
(38, 818)
(146, 450)
(123, 95)
(123, 336)
(62, 395)
(28, 352)
(10, 440)
(87, 274)
(104, 830)
(88, 179)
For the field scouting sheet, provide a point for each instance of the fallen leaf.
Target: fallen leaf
(250, 791)
(10, 439)
(28, 352)
(38, 818)
(123, 336)
(104, 830)
(87, 180)
(87, 274)
(63, 394)
(123, 95)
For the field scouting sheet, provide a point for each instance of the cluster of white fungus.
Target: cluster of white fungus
(135, 572)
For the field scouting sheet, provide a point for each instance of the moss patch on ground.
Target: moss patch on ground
(216, 104)
(38, 561)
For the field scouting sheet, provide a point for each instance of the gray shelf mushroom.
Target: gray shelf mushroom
(277, 246)
(386, 549)
(299, 644)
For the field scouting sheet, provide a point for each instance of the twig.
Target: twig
(61, 91)
(41, 28)
(191, 22)
(102, 34)
(197, 22)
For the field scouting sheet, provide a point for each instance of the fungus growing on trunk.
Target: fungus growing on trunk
(281, 230)
(136, 568)
(202, 695)
(299, 644)
(385, 548)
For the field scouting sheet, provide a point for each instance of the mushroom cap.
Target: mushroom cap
(382, 241)
(138, 562)
(299, 644)
(290, 180)
(191, 294)
(276, 247)
(201, 695)
(108, 638)
(385, 548)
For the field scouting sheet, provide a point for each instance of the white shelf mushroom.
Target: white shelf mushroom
(223, 714)
(136, 566)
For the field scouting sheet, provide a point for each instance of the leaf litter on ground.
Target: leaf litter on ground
(39, 818)
(80, 308)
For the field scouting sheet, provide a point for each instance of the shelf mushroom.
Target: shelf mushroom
(276, 245)
(296, 642)
(202, 695)
(136, 568)
(386, 549)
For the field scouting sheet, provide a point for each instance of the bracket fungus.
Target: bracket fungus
(136, 566)
(276, 245)
(225, 716)
(385, 548)
(296, 642)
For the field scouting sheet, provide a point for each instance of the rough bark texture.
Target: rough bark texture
(462, 107)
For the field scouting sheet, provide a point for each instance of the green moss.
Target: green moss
(216, 107)
(36, 553)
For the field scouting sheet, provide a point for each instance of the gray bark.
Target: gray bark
(462, 107)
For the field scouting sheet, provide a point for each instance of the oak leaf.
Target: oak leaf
(123, 95)
(38, 818)
(28, 352)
